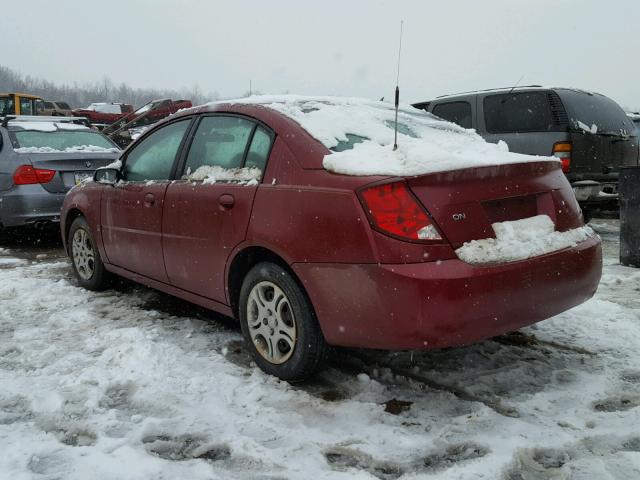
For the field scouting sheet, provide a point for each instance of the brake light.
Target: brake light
(562, 150)
(27, 175)
(394, 210)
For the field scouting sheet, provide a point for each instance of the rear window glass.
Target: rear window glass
(60, 140)
(588, 109)
(348, 144)
(64, 105)
(48, 105)
(518, 112)
(456, 112)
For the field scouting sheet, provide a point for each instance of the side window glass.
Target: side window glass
(26, 106)
(259, 149)
(456, 112)
(518, 112)
(153, 158)
(220, 141)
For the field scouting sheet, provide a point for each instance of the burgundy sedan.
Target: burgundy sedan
(297, 216)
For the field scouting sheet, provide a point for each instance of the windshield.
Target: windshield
(145, 108)
(595, 113)
(62, 141)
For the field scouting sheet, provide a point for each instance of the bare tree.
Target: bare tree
(100, 91)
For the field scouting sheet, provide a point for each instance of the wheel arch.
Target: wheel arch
(243, 261)
(72, 214)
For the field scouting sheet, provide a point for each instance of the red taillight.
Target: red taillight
(27, 175)
(562, 150)
(393, 209)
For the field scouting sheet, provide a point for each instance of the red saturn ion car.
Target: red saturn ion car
(297, 216)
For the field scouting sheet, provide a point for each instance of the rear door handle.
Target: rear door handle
(149, 200)
(226, 200)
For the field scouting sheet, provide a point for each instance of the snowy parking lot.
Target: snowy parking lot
(133, 384)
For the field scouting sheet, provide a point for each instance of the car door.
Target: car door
(207, 211)
(132, 210)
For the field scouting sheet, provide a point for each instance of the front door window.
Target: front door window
(154, 157)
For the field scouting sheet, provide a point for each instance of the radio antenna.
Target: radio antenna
(395, 135)
(504, 99)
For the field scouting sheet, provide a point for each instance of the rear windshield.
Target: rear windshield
(61, 140)
(587, 110)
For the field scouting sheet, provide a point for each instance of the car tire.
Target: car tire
(279, 324)
(86, 263)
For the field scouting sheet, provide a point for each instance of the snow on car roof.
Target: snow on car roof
(360, 134)
(47, 126)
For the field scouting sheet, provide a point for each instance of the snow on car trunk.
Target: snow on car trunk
(521, 239)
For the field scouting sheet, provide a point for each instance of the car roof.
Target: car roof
(523, 88)
(305, 148)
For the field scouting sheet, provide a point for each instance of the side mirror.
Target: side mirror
(107, 176)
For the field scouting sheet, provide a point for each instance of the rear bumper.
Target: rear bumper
(28, 204)
(448, 303)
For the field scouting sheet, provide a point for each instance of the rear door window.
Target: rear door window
(456, 112)
(259, 150)
(219, 141)
(154, 156)
(518, 112)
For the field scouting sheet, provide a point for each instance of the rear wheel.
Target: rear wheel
(279, 324)
(85, 258)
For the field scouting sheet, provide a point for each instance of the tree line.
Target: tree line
(78, 96)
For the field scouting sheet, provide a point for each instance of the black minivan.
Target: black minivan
(588, 131)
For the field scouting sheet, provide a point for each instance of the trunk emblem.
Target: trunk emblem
(459, 216)
(87, 164)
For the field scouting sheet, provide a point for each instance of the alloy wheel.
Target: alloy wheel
(272, 324)
(83, 254)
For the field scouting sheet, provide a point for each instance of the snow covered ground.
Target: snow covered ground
(132, 384)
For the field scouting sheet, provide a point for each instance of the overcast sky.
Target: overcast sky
(329, 47)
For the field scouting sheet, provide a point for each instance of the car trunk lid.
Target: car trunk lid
(70, 168)
(465, 203)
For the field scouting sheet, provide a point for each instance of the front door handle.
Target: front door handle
(149, 200)
(226, 200)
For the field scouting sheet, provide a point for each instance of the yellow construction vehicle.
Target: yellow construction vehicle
(19, 104)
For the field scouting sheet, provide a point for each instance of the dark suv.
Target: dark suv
(589, 132)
